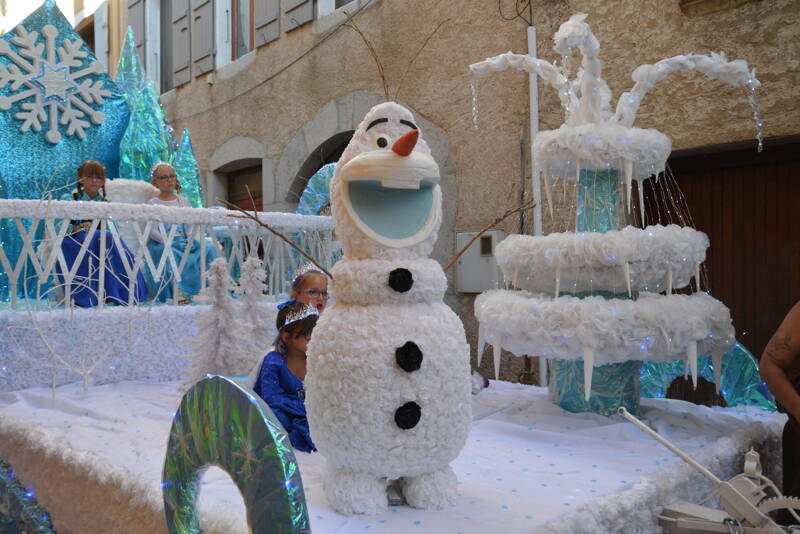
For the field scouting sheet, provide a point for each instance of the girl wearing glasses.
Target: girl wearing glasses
(163, 177)
(310, 287)
(90, 187)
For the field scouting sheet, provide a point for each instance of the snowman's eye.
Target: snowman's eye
(382, 142)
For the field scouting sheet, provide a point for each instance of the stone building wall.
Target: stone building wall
(264, 106)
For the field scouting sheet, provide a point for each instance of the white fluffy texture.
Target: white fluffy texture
(355, 243)
(365, 282)
(594, 261)
(599, 145)
(654, 327)
(129, 191)
(220, 346)
(715, 65)
(354, 386)
(95, 463)
(591, 133)
(121, 343)
(68, 209)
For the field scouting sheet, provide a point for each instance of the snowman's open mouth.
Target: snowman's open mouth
(393, 199)
(392, 213)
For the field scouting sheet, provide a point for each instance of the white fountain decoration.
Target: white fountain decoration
(533, 318)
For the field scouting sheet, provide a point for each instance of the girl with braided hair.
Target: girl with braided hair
(90, 187)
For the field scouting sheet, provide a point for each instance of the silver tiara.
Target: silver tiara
(299, 315)
(305, 269)
(158, 164)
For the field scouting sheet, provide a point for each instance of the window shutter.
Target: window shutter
(266, 21)
(202, 36)
(181, 68)
(136, 22)
(297, 13)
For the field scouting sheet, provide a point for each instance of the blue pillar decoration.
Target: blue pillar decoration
(58, 107)
(222, 423)
(615, 384)
(740, 382)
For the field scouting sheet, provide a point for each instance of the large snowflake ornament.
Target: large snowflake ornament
(51, 76)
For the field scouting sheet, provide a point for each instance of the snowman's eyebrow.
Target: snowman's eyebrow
(376, 122)
(409, 124)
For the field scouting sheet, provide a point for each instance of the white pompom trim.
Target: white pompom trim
(654, 327)
(593, 261)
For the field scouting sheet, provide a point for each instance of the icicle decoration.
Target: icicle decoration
(497, 348)
(691, 357)
(481, 343)
(717, 362)
(628, 170)
(752, 97)
(588, 369)
(548, 194)
(474, 90)
(669, 282)
(626, 270)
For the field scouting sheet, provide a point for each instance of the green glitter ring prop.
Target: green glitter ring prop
(220, 422)
(19, 510)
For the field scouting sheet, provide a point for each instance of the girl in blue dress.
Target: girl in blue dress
(85, 285)
(162, 175)
(280, 380)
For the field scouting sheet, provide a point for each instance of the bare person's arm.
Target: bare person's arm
(783, 353)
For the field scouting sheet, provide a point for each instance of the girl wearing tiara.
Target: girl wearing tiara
(90, 187)
(280, 379)
(163, 177)
(310, 286)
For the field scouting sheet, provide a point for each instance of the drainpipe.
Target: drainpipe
(533, 100)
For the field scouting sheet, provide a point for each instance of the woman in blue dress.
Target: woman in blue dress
(162, 175)
(85, 285)
(280, 380)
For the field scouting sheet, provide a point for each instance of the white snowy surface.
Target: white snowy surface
(653, 327)
(591, 261)
(95, 463)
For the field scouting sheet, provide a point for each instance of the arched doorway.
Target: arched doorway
(329, 151)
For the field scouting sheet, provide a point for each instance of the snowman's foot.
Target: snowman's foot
(352, 492)
(431, 491)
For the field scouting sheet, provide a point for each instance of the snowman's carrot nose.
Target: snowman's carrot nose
(404, 145)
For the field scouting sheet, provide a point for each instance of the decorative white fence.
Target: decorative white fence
(37, 272)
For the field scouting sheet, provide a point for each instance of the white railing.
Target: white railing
(32, 232)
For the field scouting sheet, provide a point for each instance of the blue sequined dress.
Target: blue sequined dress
(284, 394)
(85, 284)
(190, 283)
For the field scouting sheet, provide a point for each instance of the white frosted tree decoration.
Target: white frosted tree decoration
(257, 334)
(217, 349)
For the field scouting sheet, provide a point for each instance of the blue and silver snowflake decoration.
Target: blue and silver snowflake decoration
(51, 83)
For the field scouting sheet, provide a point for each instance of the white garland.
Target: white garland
(594, 261)
(654, 327)
(68, 209)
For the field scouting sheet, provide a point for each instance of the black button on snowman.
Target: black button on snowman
(375, 411)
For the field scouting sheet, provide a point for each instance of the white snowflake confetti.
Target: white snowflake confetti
(51, 76)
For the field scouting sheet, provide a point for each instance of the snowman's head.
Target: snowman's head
(385, 192)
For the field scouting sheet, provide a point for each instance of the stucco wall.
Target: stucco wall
(276, 102)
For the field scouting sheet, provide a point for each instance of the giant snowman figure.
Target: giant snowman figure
(388, 383)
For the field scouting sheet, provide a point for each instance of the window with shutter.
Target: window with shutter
(136, 15)
(202, 36)
(181, 67)
(242, 27)
(296, 13)
(266, 21)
